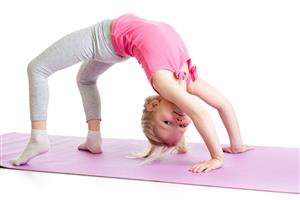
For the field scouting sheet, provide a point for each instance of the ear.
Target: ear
(152, 105)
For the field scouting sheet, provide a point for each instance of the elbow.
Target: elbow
(199, 114)
(225, 106)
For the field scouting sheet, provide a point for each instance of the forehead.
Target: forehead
(163, 113)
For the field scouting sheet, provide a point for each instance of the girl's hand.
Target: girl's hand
(206, 165)
(242, 149)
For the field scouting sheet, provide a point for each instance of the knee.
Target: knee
(36, 69)
(81, 81)
(31, 69)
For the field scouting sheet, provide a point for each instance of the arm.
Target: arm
(168, 87)
(215, 99)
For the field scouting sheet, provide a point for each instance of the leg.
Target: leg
(69, 50)
(87, 84)
(94, 125)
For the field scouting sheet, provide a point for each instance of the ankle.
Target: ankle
(38, 132)
(94, 124)
(93, 132)
(41, 125)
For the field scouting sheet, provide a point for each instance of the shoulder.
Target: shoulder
(169, 88)
(165, 77)
(165, 82)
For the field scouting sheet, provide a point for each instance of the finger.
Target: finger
(227, 150)
(249, 148)
(194, 170)
(207, 170)
(195, 167)
(201, 168)
(226, 147)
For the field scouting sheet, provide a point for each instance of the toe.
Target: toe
(82, 147)
(15, 163)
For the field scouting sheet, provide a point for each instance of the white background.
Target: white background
(248, 50)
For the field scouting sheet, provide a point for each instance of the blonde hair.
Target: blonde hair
(157, 148)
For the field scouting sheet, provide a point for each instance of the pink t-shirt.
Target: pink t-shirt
(156, 45)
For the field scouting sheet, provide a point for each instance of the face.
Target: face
(169, 121)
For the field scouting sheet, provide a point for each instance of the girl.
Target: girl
(166, 62)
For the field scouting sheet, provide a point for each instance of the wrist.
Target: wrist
(236, 144)
(237, 149)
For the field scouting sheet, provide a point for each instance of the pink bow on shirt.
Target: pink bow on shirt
(181, 75)
(193, 73)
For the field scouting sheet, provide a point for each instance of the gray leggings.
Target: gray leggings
(91, 45)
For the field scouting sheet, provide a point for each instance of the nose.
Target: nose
(178, 119)
(184, 120)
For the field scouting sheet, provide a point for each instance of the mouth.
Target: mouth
(181, 114)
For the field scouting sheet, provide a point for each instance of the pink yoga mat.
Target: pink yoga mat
(265, 168)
